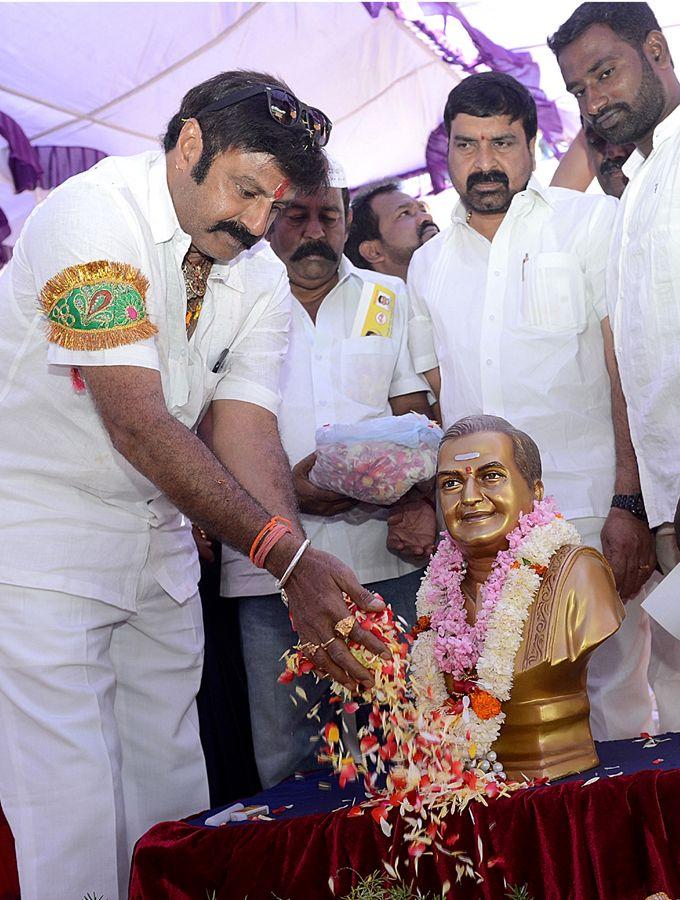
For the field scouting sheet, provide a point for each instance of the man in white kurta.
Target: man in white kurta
(641, 106)
(100, 385)
(332, 373)
(508, 321)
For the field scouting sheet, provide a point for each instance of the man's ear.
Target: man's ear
(656, 50)
(539, 490)
(371, 252)
(348, 220)
(532, 151)
(189, 145)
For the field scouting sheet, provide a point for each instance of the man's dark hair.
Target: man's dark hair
(487, 94)
(527, 456)
(632, 22)
(247, 126)
(365, 225)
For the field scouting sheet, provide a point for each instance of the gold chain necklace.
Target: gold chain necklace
(196, 282)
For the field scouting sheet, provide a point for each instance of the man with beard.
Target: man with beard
(387, 228)
(335, 371)
(130, 306)
(509, 318)
(616, 62)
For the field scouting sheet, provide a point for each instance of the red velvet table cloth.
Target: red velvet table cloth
(617, 838)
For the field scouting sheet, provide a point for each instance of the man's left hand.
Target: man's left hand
(628, 546)
(412, 527)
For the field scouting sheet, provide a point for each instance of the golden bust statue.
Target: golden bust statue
(489, 474)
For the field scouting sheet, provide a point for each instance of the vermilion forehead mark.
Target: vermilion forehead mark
(468, 470)
(281, 189)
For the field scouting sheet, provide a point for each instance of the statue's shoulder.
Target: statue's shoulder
(576, 607)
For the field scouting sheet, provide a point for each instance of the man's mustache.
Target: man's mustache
(236, 230)
(611, 165)
(487, 178)
(615, 107)
(424, 226)
(314, 248)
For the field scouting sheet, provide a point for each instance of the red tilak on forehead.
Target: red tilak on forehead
(281, 189)
(468, 470)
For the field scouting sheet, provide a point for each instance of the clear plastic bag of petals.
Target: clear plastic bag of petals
(376, 461)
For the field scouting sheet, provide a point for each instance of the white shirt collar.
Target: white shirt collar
(533, 190)
(664, 130)
(160, 210)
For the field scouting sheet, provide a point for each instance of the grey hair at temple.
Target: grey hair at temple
(526, 453)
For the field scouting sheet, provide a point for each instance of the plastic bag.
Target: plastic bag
(376, 461)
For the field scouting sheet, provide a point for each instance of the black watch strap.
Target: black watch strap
(633, 503)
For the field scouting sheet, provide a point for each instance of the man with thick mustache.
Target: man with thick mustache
(616, 62)
(591, 156)
(129, 307)
(336, 370)
(508, 318)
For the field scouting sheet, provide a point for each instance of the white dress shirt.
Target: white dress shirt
(644, 305)
(328, 376)
(514, 326)
(75, 515)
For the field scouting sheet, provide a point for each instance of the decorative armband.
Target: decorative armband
(97, 306)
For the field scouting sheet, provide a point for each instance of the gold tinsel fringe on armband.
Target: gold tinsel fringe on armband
(99, 340)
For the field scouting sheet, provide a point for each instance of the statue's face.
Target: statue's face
(481, 491)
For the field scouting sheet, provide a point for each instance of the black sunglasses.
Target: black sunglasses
(284, 108)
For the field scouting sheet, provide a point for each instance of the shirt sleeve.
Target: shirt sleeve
(600, 231)
(420, 332)
(404, 380)
(84, 249)
(255, 356)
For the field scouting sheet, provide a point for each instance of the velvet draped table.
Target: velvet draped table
(614, 838)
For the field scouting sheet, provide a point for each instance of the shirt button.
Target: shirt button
(497, 273)
(323, 403)
(492, 318)
(489, 362)
(318, 357)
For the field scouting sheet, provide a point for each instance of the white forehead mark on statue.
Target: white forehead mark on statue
(462, 456)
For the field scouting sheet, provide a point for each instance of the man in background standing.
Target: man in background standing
(387, 228)
(335, 371)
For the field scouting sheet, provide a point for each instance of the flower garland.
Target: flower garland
(480, 658)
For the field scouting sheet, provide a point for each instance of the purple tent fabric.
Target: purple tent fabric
(23, 159)
(519, 64)
(44, 167)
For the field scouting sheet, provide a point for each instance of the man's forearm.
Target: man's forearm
(627, 479)
(178, 462)
(246, 440)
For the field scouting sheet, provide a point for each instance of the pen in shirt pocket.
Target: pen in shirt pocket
(524, 262)
(221, 360)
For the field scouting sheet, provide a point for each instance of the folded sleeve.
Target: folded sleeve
(405, 380)
(255, 356)
(420, 331)
(85, 249)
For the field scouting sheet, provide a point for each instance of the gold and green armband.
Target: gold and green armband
(96, 306)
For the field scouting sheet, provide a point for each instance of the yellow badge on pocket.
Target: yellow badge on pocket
(375, 312)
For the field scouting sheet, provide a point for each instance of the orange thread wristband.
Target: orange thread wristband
(275, 520)
(269, 541)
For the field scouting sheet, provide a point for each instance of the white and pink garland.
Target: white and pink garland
(483, 653)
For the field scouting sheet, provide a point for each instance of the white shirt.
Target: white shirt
(644, 305)
(514, 326)
(328, 376)
(75, 515)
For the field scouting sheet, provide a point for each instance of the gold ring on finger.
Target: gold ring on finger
(309, 648)
(328, 642)
(644, 568)
(344, 626)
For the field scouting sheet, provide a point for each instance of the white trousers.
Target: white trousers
(641, 654)
(98, 732)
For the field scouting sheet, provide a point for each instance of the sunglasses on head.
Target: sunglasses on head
(284, 108)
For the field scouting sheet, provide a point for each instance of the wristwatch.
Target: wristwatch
(633, 503)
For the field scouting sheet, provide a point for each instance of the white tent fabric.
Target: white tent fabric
(110, 75)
